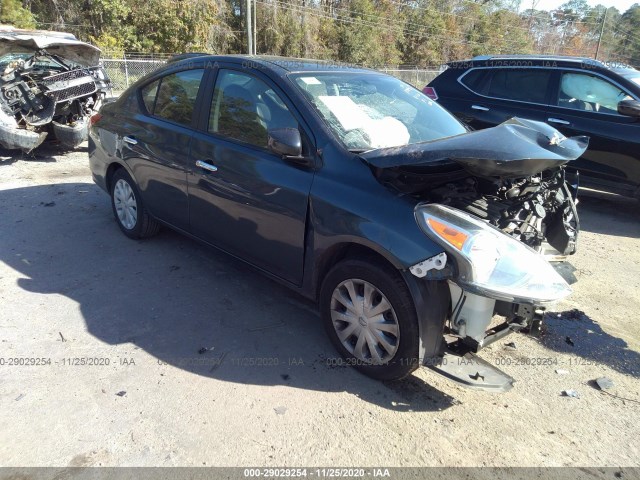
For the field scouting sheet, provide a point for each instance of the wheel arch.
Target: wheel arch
(431, 299)
(146, 225)
(340, 251)
(111, 170)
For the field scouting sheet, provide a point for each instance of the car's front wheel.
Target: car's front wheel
(370, 317)
(131, 215)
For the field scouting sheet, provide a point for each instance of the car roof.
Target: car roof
(504, 60)
(627, 72)
(278, 65)
(551, 61)
(567, 58)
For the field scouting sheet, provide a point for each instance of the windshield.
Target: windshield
(12, 57)
(41, 61)
(367, 111)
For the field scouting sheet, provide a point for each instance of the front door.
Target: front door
(244, 198)
(586, 104)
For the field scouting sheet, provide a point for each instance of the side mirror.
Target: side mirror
(629, 108)
(285, 141)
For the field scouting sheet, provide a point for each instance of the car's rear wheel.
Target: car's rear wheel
(131, 215)
(370, 318)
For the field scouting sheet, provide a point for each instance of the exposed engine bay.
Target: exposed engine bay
(516, 180)
(47, 94)
(537, 210)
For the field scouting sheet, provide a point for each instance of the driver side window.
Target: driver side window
(244, 108)
(580, 91)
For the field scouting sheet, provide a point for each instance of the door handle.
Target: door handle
(130, 140)
(479, 107)
(558, 120)
(206, 166)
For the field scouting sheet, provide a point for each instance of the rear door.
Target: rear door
(585, 103)
(242, 197)
(156, 144)
(494, 95)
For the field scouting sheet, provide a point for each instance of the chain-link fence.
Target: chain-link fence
(125, 71)
(416, 77)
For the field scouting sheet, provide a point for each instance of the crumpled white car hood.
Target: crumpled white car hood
(65, 45)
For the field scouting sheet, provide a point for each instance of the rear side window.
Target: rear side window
(474, 80)
(522, 84)
(173, 97)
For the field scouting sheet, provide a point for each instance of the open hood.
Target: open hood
(515, 148)
(65, 45)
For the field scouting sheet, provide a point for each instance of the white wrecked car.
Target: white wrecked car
(50, 84)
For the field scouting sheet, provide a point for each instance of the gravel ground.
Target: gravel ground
(262, 392)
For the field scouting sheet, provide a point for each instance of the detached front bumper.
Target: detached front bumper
(450, 348)
(14, 138)
(469, 331)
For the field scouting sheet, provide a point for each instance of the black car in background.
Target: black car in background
(578, 96)
(354, 189)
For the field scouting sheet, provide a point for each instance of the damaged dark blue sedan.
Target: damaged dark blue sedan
(358, 191)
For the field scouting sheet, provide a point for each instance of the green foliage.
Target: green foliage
(629, 47)
(366, 36)
(12, 13)
(370, 32)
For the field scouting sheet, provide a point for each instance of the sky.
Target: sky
(621, 5)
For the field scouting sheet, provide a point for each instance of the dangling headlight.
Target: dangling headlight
(490, 262)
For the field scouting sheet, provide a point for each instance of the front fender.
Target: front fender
(379, 220)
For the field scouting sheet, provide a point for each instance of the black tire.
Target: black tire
(390, 284)
(145, 225)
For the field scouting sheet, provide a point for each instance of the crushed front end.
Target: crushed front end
(500, 204)
(489, 273)
(45, 94)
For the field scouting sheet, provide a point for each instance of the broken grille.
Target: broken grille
(64, 77)
(69, 85)
(73, 92)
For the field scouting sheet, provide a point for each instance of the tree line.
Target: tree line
(419, 33)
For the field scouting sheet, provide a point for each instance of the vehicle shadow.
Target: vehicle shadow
(574, 333)
(41, 154)
(609, 214)
(45, 153)
(185, 304)
(7, 157)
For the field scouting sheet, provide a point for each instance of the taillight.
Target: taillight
(430, 92)
(95, 119)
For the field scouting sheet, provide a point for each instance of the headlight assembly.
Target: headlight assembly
(490, 262)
